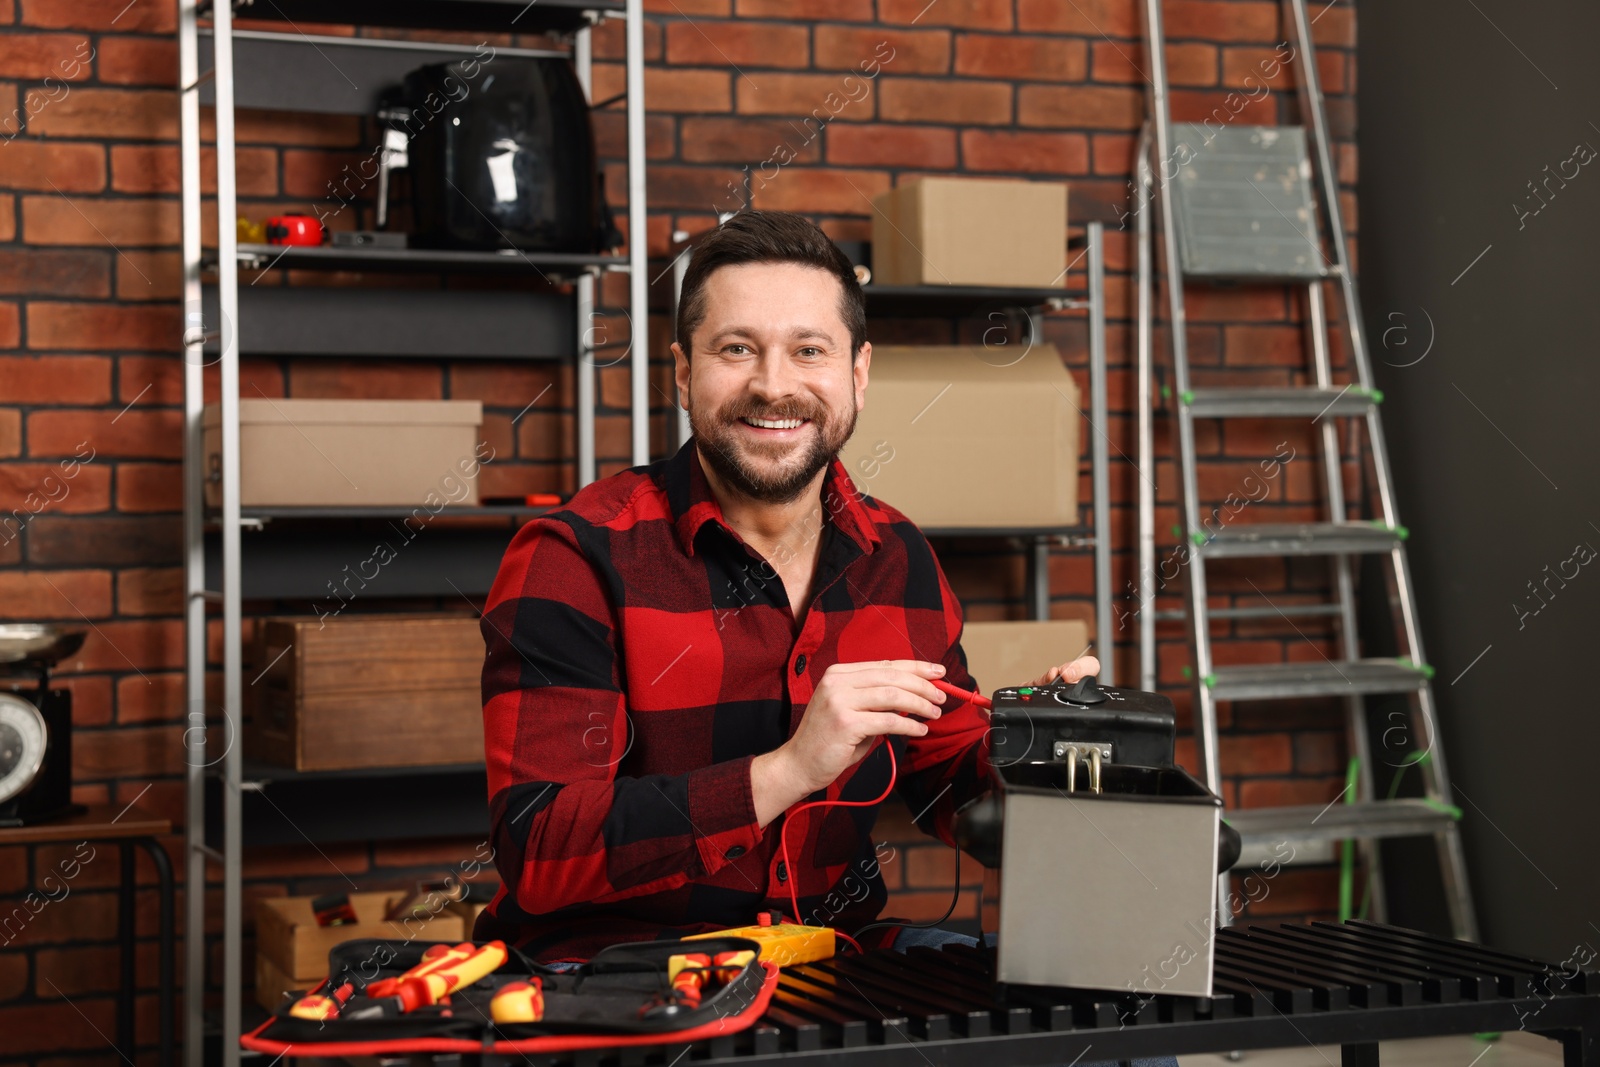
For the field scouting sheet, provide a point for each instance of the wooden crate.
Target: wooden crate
(366, 691)
(287, 934)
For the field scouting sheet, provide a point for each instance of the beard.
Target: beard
(773, 472)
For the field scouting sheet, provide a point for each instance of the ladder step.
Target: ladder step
(1301, 539)
(1310, 402)
(1371, 818)
(1267, 681)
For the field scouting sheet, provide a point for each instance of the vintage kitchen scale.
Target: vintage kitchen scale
(1109, 852)
(35, 725)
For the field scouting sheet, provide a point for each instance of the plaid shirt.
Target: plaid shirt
(640, 656)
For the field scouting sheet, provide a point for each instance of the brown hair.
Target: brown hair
(769, 237)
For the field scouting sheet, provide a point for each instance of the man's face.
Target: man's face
(771, 393)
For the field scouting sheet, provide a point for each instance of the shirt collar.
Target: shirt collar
(693, 505)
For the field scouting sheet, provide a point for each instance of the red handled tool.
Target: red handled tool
(319, 1006)
(956, 691)
(442, 971)
(518, 1002)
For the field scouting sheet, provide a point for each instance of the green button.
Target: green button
(1025, 690)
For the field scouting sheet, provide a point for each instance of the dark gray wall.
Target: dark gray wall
(1495, 433)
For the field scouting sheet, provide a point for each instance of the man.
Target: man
(688, 650)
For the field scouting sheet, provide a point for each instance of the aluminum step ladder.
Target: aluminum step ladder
(1259, 205)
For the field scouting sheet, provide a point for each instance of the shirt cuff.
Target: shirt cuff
(722, 810)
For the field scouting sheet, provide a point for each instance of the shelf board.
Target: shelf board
(404, 260)
(1008, 531)
(506, 16)
(894, 301)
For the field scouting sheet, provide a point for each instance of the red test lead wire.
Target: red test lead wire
(783, 835)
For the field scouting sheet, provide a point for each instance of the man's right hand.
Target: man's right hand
(853, 705)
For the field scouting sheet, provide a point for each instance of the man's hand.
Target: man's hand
(1068, 673)
(853, 705)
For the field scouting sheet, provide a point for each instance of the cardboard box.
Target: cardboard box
(351, 691)
(272, 983)
(1015, 653)
(287, 935)
(957, 436)
(970, 231)
(347, 453)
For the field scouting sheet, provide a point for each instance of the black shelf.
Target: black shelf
(477, 511)
(427, 260)
(504, 16)
(270, 773)
(908, 301)
(1079, 530)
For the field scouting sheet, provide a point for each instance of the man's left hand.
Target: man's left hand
(1068, 673)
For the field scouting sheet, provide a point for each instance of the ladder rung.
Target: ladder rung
(1270, 611)
(1301, 539)
(1310, 402)
(1369, 818)
(1267, 681)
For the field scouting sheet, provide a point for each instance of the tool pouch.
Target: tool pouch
(596, 1006)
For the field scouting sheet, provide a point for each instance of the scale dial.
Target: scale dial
(22, 744)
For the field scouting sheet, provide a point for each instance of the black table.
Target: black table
(1353, 984)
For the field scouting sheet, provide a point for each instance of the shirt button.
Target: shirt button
(734, 853)
(783, 872)
(800, 664)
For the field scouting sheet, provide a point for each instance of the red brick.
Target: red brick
(299, 861)
(1287, 792)
(971, 14)
(138, 61)
(823, 97)
(1113, 154)
(48, 271)
(283, 128)
(1222, 109)
(893, 50)
(72, 972)
(10, 325)
(336, 177)
(13, 965)
(8, 217)
(10, 432)
(97, 327)
(65, 488)
(137, 168)
(806, 10)
(714, 139)
(142, 434)
(608, 38)
(153, 698)
(1240, 304)
(448, 855)
(1087, 18)
(1221, 20)
(1187, 64)
(144, 17)
(1334, 25)
(150, 591)
(55, 594)
(58, 1027)
(145, 275)
(1025, 153)
(922, 147)
(57, 220)
(676, 89)
(546, 385)
(1256, 755)
(692, 187)
(1264, 346)
(1088, 107)
(830, 192)
(77, 917)
(737, 44)
(124, 114)
(1023, 58)
(942, 100)
(934, 867)
(149, 487)
(91, 698)
(1261, 66)
(64, 57)
(55, 379)
(1318, 753)
(685, 8)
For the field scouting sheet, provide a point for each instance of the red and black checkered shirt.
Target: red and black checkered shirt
(640, 656)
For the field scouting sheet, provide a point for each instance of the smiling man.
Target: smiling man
(688, 651)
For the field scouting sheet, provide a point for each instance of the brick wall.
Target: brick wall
(90, 324)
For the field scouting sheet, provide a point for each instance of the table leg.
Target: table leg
(1364, 1054)
(125, 934)
(165, 991)
(1580, 1048)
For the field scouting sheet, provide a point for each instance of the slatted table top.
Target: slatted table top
(1351, 984)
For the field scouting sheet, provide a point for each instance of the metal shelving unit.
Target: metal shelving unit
(958, 301)
(296, 71)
